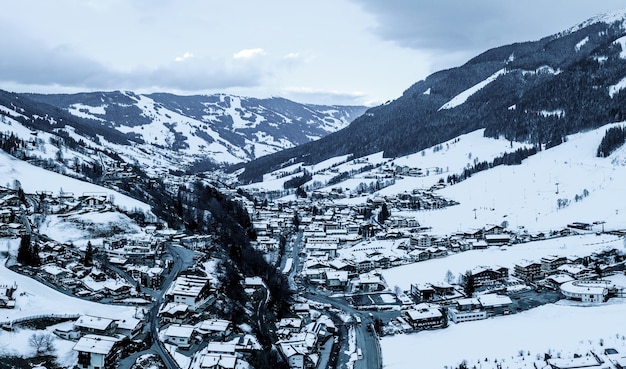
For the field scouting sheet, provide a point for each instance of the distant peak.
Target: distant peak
(608, 18)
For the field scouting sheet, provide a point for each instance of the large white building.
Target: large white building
(586, 291)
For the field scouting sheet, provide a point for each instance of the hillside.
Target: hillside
(185, 129)
(534, 92)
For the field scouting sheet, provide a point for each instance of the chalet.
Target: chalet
(423, 241)
(479, 244)
(222, 348)
(89, 324)
(497, 239)
(336, 280)
(550, 263)
(493, 230)
(54, 272)
(423, 292)
(174, 312)
(296, 354)
(129, 327)
(191, 290)
(576, 271)
(556, 280)
(484, 276)
(10, 200)
(495, 304)
(320, 249)
(287, 326)
(342, 265)
(368, 283)
(364, 265)
(93, 200)
(425, 316)
(7, 298)
(445, 291)
(179, 335)
(98, 352)
(437, 252)
(6, 215)
(214, 328)
(218, 361)
(419, 255)
(528, 271)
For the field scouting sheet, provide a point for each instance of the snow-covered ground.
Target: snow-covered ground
(564, 328)
(34, 298)
(435, 270)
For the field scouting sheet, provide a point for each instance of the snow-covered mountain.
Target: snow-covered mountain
(219, 128)
(537, 92)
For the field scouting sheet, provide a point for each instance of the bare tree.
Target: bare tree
(42, 343)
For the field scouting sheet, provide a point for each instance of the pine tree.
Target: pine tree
(24, 252)
(88, 259)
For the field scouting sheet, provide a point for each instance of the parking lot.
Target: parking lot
(531, 299)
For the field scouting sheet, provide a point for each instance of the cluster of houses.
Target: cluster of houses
(303, 336)
(101, 341)
(441, 302)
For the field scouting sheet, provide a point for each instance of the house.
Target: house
(528, 270)
(425, 316)
(423, 292)
(337, 280)
(7, 299)
(98, 352)
(174, 312)
(295, 353)
(576, 271)
(191, 290)
(129, 327)
(497, 239)
(550, 263)
(495, 304)
(214, 328)
(222, 348)
(485, 276)
(93, 200)
(466, 310)
(368, 283)
(218, 361)
(179, 335)
(287, 326)
(90, 324)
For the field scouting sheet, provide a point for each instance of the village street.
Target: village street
(366, 338)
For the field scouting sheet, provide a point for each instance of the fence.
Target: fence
(9, 323)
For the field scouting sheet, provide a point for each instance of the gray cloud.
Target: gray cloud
(31, 62)
(467, 28)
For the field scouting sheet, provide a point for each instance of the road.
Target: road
(366, 340)
(182, 259)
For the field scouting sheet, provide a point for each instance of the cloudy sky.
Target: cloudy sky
(319, 51)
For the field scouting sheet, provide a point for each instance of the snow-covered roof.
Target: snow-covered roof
(179, 330)
(93, 322)
(95, 344)
(224, 361)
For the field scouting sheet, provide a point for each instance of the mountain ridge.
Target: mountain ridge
(535, 91)
(220, 128)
